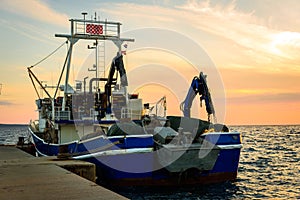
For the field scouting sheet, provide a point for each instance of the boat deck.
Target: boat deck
(23, 176)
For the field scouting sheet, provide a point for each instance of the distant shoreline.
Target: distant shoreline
(231, 125)
(265, 125)
(13, 124)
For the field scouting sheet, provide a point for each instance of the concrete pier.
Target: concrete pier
(23, 176)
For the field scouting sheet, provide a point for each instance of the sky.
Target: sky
(249, 49)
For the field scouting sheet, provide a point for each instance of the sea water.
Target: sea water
(10, 133)
(269, 167)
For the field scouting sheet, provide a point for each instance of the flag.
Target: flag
(124, 51)
(94, 29)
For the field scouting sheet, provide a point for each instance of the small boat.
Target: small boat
(124, 137)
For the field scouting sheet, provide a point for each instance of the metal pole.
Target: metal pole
(67, 77)
(63, 107)
(120, 41)
(72, 27)
(84, 14)
(96, 44)
(84, 84)
(53, 110)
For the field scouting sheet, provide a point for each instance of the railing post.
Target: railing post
(72, 27)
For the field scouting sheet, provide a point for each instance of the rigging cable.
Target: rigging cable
(49, 54)
(32, 74)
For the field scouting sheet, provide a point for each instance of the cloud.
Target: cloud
(253, 36)
(261, 79)
(286, 43)
(138, 14)
(283, 16)
(245, 29)
(36, 10)
(257, 86)
(6, 103)
(28, 30)
(265, 98)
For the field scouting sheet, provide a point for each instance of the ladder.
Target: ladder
(101, 63)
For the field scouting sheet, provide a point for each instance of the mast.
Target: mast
(90, 30)
(68, 73)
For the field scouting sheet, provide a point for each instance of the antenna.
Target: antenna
(84, 14)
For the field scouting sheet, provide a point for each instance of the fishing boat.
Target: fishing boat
(125, 138)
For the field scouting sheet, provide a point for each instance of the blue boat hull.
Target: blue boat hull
(225, 169)
(133, 160)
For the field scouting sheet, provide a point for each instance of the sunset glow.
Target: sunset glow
(253, 45)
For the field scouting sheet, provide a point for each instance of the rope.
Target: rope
(49, 54)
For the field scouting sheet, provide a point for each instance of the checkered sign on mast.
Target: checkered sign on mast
(94, 29)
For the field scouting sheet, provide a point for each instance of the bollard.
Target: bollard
(21, 141)
(63, 152)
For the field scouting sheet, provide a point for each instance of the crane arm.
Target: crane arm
(198, 86)
(116, 65)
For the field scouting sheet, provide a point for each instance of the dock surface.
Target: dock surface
(23, 176)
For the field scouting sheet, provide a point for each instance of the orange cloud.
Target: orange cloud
(36, 10)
